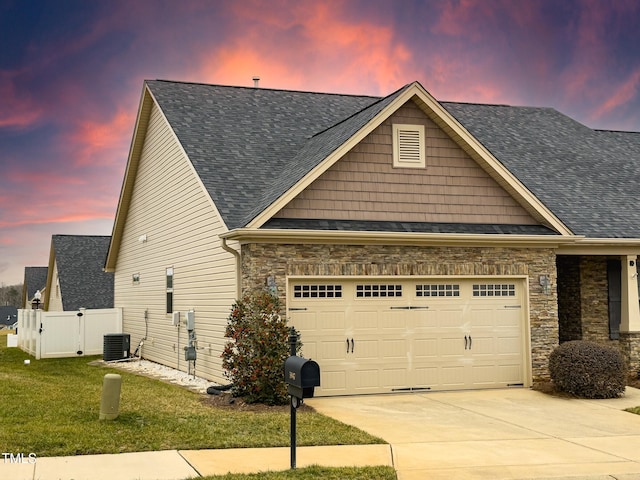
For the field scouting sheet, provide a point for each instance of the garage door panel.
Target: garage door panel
(505, 317)
(426, 377)
(410, 334)
(331, 321)
(306, 321)
(367, 350)
(333, 350)
(393, 321)
(393, 378)
(425, 349)
(333, 382)
(310, 349)
(509, 345)
(365, 322)
(395, 349)
(367, 379)
(453, 376)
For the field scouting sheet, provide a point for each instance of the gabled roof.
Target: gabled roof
(80, 261)
(35, 278)
(254, 148)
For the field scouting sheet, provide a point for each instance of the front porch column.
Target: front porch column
(630, 318)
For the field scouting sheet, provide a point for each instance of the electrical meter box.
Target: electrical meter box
(191, 320)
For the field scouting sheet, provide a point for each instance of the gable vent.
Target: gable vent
(408, 146)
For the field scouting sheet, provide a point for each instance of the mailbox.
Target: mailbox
(301, 376)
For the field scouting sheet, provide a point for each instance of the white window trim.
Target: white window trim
(406, 154)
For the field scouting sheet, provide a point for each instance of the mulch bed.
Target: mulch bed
(548, 387)
(228, 402)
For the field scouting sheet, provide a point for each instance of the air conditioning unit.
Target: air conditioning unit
(116, 346)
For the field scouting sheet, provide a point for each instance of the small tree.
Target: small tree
(254, 358)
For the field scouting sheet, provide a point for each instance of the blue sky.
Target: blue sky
(71, 75)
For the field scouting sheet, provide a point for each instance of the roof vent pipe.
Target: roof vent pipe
(256, 81)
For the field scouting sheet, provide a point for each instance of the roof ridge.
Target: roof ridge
(242, 87)
(380, 99)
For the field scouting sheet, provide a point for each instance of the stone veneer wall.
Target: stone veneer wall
(260, 261)
(569, 307)
(594, 299)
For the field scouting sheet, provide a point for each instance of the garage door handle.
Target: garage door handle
(352, 345)
(470, 342)
(465, 342)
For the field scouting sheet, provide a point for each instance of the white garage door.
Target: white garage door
(389, 335)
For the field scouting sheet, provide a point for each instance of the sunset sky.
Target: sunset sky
(71, 75)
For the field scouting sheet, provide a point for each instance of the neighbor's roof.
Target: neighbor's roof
(250, 145)
(8, 315)
(80, 260)
(35, 278)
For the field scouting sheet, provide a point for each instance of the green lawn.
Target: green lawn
(313, 473)
(51, 408)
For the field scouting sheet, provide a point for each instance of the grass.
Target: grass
(315, 472)
(51, 408)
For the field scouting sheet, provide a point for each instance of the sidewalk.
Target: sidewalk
(184, 464)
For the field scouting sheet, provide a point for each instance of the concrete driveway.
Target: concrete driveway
(498, 434)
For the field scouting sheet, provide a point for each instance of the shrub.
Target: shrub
(588, 369)
(254, 358)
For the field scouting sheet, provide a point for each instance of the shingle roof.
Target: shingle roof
(250, 145)
(80, 260)
(8, 315)
(588, 178)
(35, 278)
(242, 141)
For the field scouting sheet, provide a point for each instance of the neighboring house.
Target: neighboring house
(35, 280)
(415, 244)
(8, 316)
(76, 277)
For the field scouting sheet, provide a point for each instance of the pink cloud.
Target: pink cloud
(310, 47)
(93, 139)
(17, 110)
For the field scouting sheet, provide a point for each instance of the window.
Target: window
(494, 290)
(170, 290)
(317, 291)
(378, 291)
(408, 146)
(437, 290)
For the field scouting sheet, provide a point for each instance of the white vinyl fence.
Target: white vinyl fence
(66, 334)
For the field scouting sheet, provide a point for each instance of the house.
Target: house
(8, 316)
(415, 244)
(76, 278)
(35, 280)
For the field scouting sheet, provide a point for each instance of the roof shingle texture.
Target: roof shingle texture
(250, 145)
(35, 278)
(80, 260)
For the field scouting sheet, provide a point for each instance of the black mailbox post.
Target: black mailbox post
(302, 376)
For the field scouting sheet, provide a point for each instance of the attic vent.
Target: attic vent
(408, 146)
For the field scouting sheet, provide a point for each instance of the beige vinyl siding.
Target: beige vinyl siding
(55, 295)
(170, 206)
(364, 185)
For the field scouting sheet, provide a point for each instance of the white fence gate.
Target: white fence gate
(66, 334)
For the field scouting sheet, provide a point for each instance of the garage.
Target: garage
(384, 335)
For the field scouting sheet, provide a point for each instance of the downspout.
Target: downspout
(236, 254)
